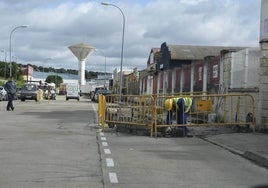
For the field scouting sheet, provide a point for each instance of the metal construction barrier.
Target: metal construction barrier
(212, 110)
(147, 111)
(132, 110)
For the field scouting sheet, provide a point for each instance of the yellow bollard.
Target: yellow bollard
(39, 95)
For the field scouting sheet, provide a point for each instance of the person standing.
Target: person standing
(10, 87)
(182, 106)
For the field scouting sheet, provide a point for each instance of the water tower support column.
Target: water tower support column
(82, 71)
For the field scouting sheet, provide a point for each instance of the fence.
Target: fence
(147, 111)
(132, 110)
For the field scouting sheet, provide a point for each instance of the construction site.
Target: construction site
(147, 113)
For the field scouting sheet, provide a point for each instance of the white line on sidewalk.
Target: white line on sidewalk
(110, 162)
(107, 151)
(104, 144)
(113, 177)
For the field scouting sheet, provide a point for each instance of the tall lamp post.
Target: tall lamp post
(122, 48)
(14, 59)
(97, 50)
(10, 61)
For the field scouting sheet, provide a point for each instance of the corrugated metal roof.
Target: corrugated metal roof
(187, 52)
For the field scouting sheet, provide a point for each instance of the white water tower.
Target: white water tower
(81, 51)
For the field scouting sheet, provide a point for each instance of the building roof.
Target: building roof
(187, 52)
(154, 51)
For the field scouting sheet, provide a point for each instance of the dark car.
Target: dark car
(92, 93)
(29, 92)
(103, 92)
(18, 93)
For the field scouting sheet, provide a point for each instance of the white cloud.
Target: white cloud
(55, 25)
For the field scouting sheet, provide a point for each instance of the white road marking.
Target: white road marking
(110, 162)
(113, 177)
(104, 144)
(107, 151)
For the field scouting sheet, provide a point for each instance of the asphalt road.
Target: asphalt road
(49, 144)
(56, 144)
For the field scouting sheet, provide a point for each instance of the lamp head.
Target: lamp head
(104, 3)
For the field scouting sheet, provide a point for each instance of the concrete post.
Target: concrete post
(192, 77)
(182, 80)
(205, 76)
(263, 88)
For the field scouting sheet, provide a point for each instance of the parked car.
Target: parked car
(3, 94)
(3, 97)
(29, 92)
(92, 93)
(103, 92)
(72, 92)
(18, 93)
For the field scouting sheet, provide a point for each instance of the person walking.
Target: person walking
(10, 87)
(182, 107)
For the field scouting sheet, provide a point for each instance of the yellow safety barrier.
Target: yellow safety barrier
(147, 111)
(101, 110)
(218, 109)
(130, 111)
(39, 95)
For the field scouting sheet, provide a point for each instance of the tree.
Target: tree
(54, 79)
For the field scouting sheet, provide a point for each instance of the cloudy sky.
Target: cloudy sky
(56, 24)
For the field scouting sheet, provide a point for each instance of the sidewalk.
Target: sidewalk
(252, 146)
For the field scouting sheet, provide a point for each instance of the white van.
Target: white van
(72, 92)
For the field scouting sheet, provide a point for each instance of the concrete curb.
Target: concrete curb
(257, 158)
(252, 156)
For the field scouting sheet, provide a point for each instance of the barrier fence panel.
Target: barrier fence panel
(132, 110)
(211, 110)
(148, 112)
(101, 110)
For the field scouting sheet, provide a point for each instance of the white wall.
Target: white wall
(245, 68)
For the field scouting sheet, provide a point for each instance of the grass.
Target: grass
(19, 83)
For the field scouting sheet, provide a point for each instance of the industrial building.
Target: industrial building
(177, 69)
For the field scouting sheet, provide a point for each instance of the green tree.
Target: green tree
(54, 79)
(2, 69)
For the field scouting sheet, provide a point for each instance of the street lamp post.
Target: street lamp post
(10, 61)
(104, 65)
(105, 76)
(14, 59)
(122, 48)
